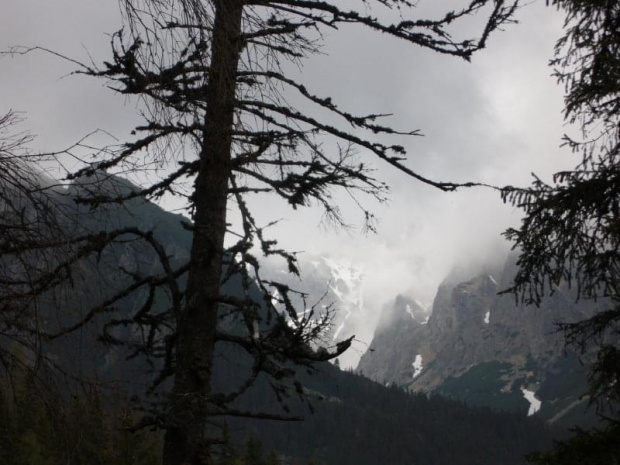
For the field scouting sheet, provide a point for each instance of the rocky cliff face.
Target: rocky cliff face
(483, 347)
(401, 326)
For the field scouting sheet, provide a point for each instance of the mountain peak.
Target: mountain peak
(482, 347)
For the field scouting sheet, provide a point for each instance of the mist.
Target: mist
(495, 121)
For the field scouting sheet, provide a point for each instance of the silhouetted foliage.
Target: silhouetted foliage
(40, 428)
(348, 409)
(29, 225)
(210, 78)
(598, 446)
(570, 234)
(360, 422)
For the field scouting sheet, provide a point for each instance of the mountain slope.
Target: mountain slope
(360, 422)
(352, 421)
(484, 348)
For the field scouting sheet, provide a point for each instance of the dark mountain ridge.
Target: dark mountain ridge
(348, 419)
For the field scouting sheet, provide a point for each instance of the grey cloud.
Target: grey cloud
(494, 120)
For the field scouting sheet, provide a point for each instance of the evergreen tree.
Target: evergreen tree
(272, 459)
(570, 234)
(253, 454)
(37, 428)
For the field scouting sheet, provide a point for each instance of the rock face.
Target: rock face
(400, 326)
(484, 348)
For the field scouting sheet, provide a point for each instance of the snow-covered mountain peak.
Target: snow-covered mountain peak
(335, 283)
(346, 281)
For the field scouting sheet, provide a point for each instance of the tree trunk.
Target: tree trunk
(184, 440)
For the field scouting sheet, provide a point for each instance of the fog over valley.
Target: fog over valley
(493, 121)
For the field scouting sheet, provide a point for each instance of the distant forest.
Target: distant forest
(356, 422)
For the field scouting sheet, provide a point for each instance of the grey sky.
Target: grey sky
(494, 120)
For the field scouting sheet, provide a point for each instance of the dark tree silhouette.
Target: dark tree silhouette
(212, 81)
(570, 234)
(30, 237)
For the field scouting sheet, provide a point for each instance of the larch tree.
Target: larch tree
(211, 79)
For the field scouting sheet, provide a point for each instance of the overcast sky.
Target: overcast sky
(494, 120)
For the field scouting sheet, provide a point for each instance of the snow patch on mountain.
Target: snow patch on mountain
(420, 317)
(409, 311)
(301, 315)
(332, 287)
(535, 403)
(347, 284)
(339, 330)
(487, 317)
(417, 365)
(275, 298)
